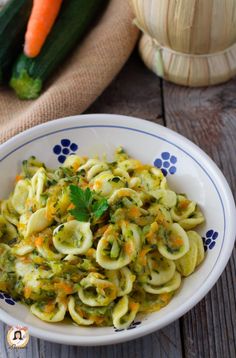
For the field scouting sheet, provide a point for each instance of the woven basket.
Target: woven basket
(189, 42)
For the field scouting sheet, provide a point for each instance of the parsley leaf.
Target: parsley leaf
(80, 214)
(86, 205)
(87, 196)
(99, 207)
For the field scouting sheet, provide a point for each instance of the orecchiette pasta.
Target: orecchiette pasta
(49, 312)
(77, 314)
(184, 208)
(169, 286)
(124, 312)
(8, 231)
(38, 184)
(123, 280)
(194, 220)
(174, 242)
(96, 290)
(45, 247)
(73, 237)
(188, 263)
(8, 212)
(20, 195)
(95, 240)
(119, 194)
(105, 183)
(158, 270)
(118, 246)
(74, 162)
(93, 167)
(37, 222)
(165, 197)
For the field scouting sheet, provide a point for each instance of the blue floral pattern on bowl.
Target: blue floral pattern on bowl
(209, 240)
(7, 298)
(132, 326)
(167, 163)
(65, 148)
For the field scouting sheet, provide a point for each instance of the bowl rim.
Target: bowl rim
(145, 127)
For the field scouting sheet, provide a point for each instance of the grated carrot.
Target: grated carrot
(142, 255)
(71, 206)
(27, 291)
(25, 259)
(18, 177)
(176, 241)
(75, 166)
(165, 297)
(133, 305)
(39, 241)
(129, 248)
(80, 312)
(50, 211)
(98, 184)
(134, 212)
(91, 252)
(48, 308)
(63, 286)
(97, 319)
(184, 204)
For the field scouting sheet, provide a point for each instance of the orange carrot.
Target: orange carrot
(39, 241)
(27, 291)
(49, 307)
(134, 212)
(165, 297)
(18, 177)
(63, 286)
(128, 248)
(133, 305)
(142, 255)
(176, 241)
(71, 206)
(97, 319)
(184, 204)
(42, 18)
(91, 252)
(25, 259)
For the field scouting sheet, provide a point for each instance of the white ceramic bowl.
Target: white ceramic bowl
(188, 170)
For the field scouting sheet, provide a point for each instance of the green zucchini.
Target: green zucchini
(29, 74)
(13, 21)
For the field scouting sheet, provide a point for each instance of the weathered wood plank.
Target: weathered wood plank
(162, 344)
(135, 92)
(208, 118)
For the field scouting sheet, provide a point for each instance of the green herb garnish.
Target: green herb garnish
(86, 204)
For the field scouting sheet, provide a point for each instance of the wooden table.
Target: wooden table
(208, 118)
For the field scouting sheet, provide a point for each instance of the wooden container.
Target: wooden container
(189, 42)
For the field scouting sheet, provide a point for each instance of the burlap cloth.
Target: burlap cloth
(81, 79)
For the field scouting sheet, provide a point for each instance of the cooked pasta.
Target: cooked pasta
(95, 240)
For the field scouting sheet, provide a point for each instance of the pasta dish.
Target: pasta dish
(95, 240)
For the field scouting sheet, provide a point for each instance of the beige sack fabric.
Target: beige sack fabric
(81, 79)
